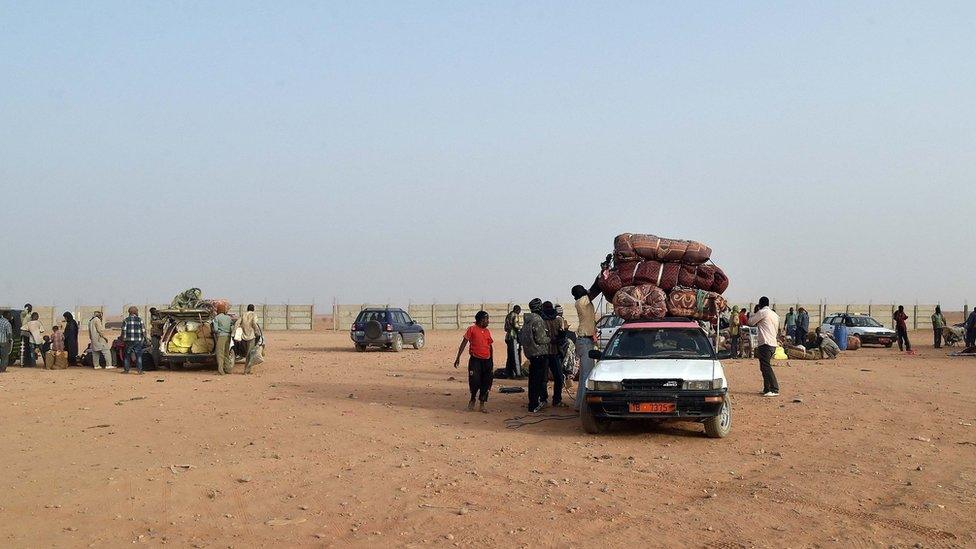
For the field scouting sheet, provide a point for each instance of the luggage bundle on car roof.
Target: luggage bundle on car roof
(650, 277)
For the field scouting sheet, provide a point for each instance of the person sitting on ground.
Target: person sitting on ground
(481, 365)
(828, 347)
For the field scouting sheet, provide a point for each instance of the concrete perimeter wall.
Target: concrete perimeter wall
(271, 317)
(452, 316)
(455, 316)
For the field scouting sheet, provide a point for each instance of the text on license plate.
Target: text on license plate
(651, 407)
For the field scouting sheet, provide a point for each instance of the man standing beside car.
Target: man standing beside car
(535, 341)
(134, 337)
(223, 326)
(585, 335)
(767, 322)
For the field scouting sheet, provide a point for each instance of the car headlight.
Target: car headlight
(702, 384)
(603, 385)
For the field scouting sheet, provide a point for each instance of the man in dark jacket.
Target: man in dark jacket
(971, 329)
(802, 326)
(535, 342)
(554, 327)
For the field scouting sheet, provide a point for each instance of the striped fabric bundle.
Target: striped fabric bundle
(634, 247)
(640, 302)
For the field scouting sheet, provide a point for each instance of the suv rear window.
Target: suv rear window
(366, 316)
(659, 343)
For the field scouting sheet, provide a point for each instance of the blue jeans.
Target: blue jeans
(583, 347)
(130, 349)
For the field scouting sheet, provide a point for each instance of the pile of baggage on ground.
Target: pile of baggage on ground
(650, 277)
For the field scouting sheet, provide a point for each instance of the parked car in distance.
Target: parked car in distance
(863, 326)
(659, 370)
(386, 328)
(605, 328)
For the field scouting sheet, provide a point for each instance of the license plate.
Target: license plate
(651, 407)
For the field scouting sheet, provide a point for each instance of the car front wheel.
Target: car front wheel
(720, 425)
(591, 423)
(419, 344)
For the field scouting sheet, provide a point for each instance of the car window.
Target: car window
(865, 322)
(367, 316)
(406, 318)
(659, 343)
(400, 317)
(835, 320)
(610, 321)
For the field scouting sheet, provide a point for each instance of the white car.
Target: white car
(869, 330)
(663, 370)
(605, 328)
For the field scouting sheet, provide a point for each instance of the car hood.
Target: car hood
(665, 368)
(865, 330)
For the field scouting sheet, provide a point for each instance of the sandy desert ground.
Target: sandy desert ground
(328, 447)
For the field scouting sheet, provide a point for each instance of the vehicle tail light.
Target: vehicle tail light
(389, 327)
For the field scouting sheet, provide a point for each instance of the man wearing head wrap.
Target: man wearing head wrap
(100, 343)
(222, 326)
(735, 329)
(535, 341)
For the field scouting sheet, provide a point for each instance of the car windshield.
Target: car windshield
(611, 321)
(865, 322)
(366, 316)
(659, 343)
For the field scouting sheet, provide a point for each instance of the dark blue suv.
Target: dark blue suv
(386, 328)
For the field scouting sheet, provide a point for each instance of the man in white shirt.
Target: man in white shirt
(767, 322)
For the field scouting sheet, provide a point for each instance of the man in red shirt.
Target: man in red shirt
(481, 366)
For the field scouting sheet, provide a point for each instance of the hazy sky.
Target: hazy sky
(447, 151)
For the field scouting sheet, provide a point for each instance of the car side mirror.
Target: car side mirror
(723, 354)
(595, 354)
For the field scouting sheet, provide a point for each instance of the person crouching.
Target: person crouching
(481, 366)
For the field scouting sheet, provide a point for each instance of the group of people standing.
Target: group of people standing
(542, 334)
(35, 342)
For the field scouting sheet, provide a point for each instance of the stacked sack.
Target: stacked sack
(677, 269)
